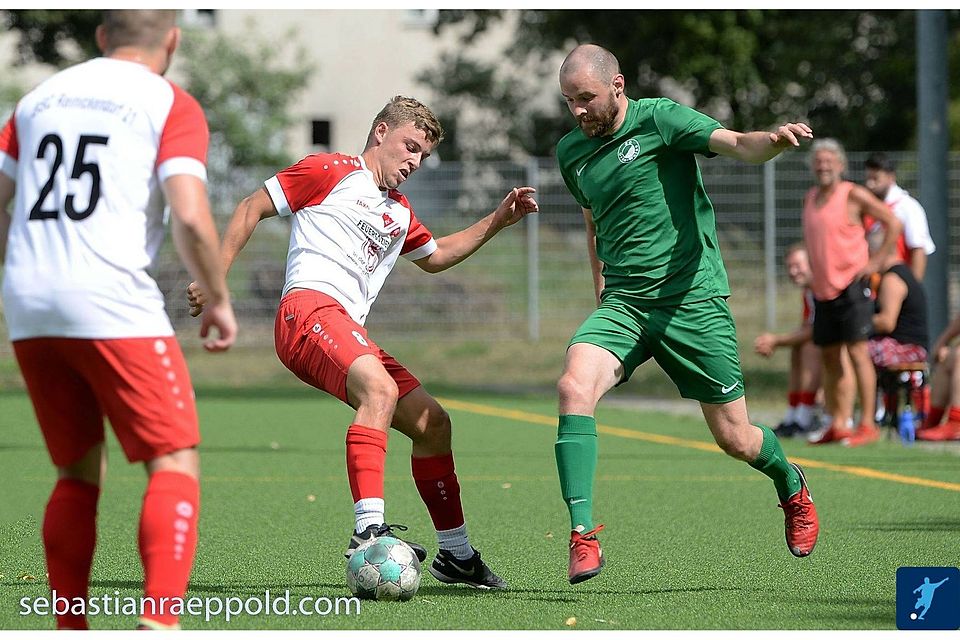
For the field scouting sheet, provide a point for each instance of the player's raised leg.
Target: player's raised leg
(589, 372)
(424, 421)
(758, 446)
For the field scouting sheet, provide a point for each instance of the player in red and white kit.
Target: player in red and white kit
(915, 243)
(349, 224)
(88, 156)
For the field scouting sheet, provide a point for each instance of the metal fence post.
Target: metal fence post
(770, 240)
(533, 258)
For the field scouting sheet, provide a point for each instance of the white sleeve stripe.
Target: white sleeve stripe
(278, 196)
(8, 166)
(422, 251)
(181, 165)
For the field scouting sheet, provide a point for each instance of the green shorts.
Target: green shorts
(694, 343)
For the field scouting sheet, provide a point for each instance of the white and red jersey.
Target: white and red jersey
(809, 306)
(916, 231)
(347, 234)
(89, 149)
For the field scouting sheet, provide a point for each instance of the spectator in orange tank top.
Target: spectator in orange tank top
(833, 230)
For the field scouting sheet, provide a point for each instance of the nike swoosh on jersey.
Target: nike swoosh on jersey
(580, 170)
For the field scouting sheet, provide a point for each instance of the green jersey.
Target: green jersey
(655, 227)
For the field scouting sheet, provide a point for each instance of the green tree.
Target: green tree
(246, 93)
(59, 37)
(850, 74)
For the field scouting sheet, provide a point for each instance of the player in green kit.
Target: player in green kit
(660, 282)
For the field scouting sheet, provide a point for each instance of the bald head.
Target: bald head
(592, 85)
(592, 59)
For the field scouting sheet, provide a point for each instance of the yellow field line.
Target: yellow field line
(620, 432)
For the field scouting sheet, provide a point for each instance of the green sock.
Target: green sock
(772, 462)
(576, 451)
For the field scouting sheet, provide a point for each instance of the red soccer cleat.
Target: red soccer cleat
(832, 434)
(864, 435)
(586, 556)
(941, 433)
(800, 520)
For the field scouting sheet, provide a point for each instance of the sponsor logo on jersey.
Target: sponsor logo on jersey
(373, 234)
(628, 151)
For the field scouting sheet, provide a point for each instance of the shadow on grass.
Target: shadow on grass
(932, 524)
(846, 611)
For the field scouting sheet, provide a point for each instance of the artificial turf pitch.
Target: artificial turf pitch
(693, 538)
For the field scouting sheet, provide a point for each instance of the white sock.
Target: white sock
(456, 542)
(369, 511)
(791, 415)
(803, 415)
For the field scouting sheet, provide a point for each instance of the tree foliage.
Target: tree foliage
(246, 94)
(850, 74)
(59, 37)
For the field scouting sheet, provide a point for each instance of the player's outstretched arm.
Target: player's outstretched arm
(7, 189)
(195, 237)
(251, 210)
(457, 247)
(759, 146)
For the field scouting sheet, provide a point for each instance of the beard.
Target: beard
(602, 123)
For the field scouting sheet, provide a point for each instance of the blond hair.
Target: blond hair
(402, 110)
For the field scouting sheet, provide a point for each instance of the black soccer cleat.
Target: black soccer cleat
(380, 531)
(472, 571)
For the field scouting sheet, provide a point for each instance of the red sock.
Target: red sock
(806, 397)
(437, 483)
(168, 540)
(793, 398)
(953, 415)
(69, 538)
(366, 454)
(934, 417)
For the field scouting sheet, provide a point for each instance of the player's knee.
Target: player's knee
(571, 389)
(381, 393)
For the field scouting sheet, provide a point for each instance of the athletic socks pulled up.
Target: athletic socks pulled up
(576, 452)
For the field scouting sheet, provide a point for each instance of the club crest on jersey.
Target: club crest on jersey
(628, 151)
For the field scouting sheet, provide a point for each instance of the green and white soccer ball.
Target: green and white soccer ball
(383, 569)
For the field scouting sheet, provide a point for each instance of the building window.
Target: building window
(420, 17)
(199, 17)
(320, 135)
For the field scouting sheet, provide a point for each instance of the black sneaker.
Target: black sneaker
(472, 571)
(379, 531)
(787, 430)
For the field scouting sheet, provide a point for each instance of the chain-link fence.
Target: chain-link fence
(533, 280)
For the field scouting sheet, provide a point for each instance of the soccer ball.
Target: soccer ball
(383, 569)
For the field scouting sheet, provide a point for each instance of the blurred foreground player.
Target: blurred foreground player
(89, 154)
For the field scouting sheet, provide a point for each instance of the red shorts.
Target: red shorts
(318, 341)
(140, 384)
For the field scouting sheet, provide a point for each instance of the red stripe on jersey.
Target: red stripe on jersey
(870, 223)
(8, 138)
(417, 234)
(312, 179)
(185, 133)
